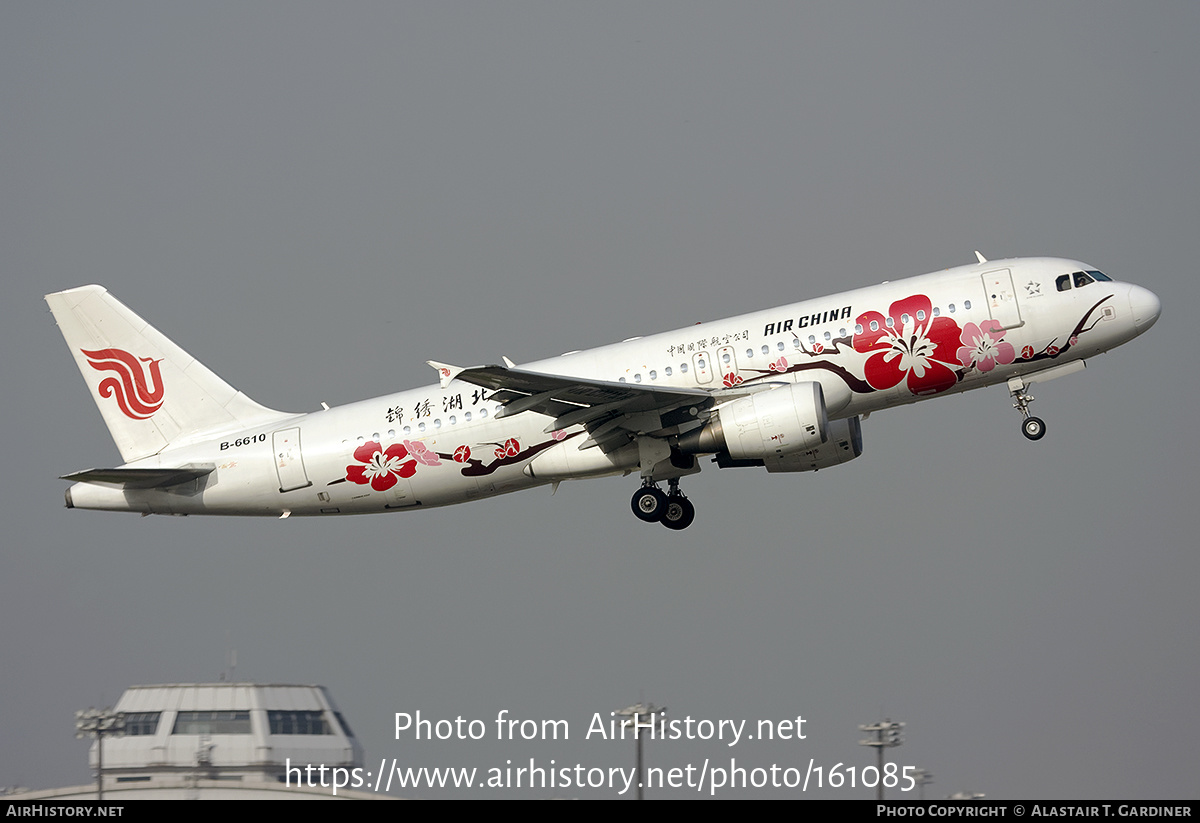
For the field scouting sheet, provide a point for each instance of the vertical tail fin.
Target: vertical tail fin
(150, 391)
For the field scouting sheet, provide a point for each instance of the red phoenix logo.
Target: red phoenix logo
(138, 397)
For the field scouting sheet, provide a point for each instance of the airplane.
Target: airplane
(783, 389)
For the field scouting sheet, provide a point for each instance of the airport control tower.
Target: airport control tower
(214, 741)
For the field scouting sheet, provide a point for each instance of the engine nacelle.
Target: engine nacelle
(844, 444)
(768, 424)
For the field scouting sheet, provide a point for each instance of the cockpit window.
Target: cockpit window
(1063, 282)
(1082, 278)
(1101, 276)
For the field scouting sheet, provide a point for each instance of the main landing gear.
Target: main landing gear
(1032, 427)
(671, 509)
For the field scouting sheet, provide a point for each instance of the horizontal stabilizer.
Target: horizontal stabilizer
(140, 478)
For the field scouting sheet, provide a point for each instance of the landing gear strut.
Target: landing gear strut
(1032, 427)
(672, 509)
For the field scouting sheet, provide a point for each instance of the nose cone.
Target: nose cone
(1145, 306)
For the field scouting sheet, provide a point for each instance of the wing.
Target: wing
(611, 412)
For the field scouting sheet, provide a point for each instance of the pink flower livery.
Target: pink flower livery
(421, 453)
(917, 346)
(381, 467)
(780, 365)
(985, 346)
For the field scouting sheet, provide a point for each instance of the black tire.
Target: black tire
(679, 513)
(1034, 428)
(649, 504)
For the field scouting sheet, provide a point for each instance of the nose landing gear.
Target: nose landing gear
(1034, 428)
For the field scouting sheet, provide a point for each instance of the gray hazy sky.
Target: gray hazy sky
(313, 199)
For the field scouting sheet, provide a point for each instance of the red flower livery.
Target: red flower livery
(509, 448)
(462, 454)
(381, 467)
(910, 343)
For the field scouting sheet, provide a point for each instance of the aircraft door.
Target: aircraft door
(289, 462)
(726, 360)
(1002, 298)
(702, 367)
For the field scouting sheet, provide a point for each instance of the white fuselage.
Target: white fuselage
(318, 463)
